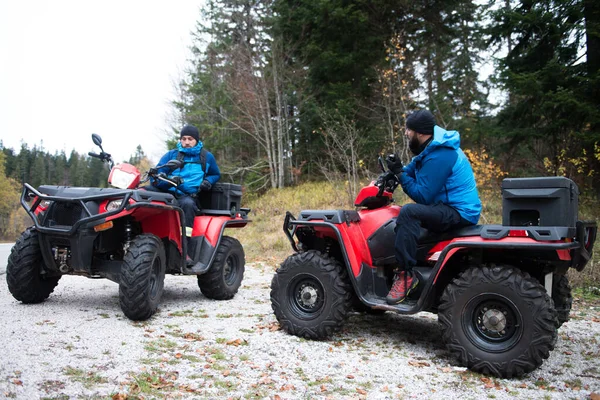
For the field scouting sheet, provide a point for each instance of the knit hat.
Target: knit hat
(190, 130)
(421, 121)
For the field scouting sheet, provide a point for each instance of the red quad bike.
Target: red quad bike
(131, 236)
(500, 291)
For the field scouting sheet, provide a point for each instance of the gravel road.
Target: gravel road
(78, 345)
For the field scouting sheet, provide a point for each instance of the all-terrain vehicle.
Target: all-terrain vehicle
(500, 291)
(128, 235)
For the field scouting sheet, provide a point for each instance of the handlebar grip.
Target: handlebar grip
(93, 155)
(381, 165)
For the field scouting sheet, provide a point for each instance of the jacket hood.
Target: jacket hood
(442, 138)
(190, 151)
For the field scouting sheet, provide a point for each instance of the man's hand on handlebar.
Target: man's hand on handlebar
(394, 163)
(387, 181)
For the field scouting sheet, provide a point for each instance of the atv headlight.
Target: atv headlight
(121, 179)
(114, 205)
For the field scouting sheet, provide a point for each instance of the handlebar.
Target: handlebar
(103, 157)
(381, 164)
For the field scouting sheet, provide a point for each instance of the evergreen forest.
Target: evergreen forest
(289, 91)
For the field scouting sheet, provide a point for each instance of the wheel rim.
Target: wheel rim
(154, 284)
(306, 296)
(492, 322)
(230, 270)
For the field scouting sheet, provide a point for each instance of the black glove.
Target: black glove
(152, 171)
(388, 181)
(394, 163)
(177, 180)
(205, 186)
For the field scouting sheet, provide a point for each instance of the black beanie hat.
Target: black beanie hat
(421, 121)
(190, 130)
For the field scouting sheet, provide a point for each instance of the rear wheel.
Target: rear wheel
(310, 296)
(498, 321)
(225, 275)
(563, 300)
(142, 277)
(24, 270)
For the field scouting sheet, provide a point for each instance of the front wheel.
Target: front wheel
(225, 275)
(498, 321)
(310, 296)
(24, 270)
(142, 277)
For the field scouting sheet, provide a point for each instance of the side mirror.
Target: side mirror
(174, 164)
(97, 139)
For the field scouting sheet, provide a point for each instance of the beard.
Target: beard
(415, 146)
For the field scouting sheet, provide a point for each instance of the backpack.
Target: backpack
(202, 162)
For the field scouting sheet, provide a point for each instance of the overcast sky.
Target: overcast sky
(70, 68)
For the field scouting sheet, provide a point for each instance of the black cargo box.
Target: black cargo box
(222, 196)
(545, 201)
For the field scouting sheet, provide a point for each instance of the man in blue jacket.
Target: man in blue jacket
(198, 173)
(440, 180)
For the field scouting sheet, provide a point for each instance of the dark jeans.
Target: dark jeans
(187, 204)
(436, 218)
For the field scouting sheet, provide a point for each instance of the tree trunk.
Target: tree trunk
(592, 30)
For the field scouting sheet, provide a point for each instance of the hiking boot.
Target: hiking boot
(403, 284)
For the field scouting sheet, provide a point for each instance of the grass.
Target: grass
(88, 379)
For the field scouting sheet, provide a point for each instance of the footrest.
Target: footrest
(196, 269)
(408, 306)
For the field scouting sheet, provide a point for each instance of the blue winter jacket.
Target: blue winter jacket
(442, 174)
(191, 172)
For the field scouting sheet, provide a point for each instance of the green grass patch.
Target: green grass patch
(88, 379)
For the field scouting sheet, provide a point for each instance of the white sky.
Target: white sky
(70, 68)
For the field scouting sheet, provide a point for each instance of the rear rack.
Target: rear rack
(539, 233)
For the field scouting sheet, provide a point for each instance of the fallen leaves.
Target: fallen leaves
(271, 327)
(490, 384)
(237, 342)
(192, 336)
(419, 364)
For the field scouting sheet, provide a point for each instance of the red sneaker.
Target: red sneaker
(402, 286)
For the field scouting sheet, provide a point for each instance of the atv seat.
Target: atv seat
(434, 237)
(147, 195)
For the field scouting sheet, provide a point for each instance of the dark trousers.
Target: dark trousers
(436, 218)
(186, 203)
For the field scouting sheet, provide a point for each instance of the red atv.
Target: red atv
(131, 236)
(500, 291)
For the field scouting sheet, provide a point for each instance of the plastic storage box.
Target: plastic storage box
(546, 201)
(222, 196)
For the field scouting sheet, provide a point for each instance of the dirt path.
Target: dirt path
(78, 344)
